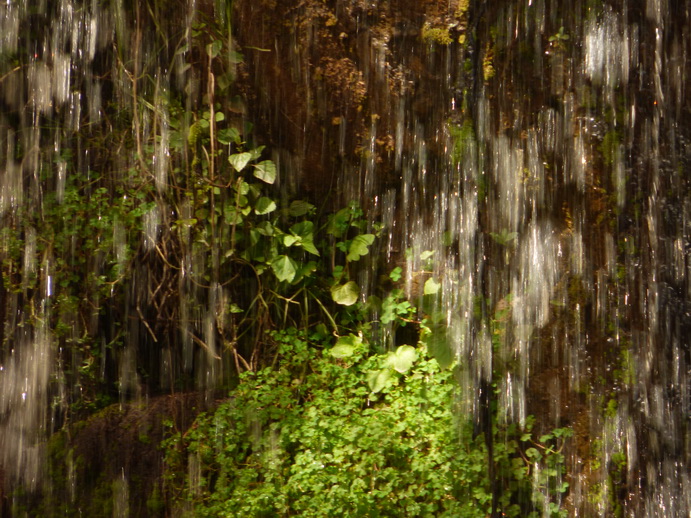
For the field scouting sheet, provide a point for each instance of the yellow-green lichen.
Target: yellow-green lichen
(435, 35)
(462, 8)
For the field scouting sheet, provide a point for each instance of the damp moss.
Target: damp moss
(462, 135)
(488, 71)
(609, 146)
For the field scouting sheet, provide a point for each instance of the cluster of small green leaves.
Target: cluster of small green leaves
(81, 243)
(348, 229)
(545, 463)
(335, 432)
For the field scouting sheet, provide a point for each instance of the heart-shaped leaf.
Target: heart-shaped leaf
(299, 208)
(345, 294)
(264, 205)
(308, 245)
(213, 48)
(290, 239)
(402, 359)
(265, 171)
(431, 287)
(345, 346)
(359, 246)
(303, 229)
(377, 380)
(284, 268)
(239, 160)
(438, 345)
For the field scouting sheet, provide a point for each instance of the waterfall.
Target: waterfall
(528, 158)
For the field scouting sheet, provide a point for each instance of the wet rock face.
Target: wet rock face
(112, 463)
(333, 76)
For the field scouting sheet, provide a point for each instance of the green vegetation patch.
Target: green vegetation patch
(332, 432)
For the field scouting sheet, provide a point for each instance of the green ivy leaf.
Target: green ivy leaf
(345, 346)
(235, 57)
(264, 205)
(234, 308)
(239, 160)
(303, 229)
(308, 246)
(305, 233)
(338, 223)
(256, 152)
(427, 254)
(265, 171)
(402, 359)
(533, 454)
(265, 228)
(438, 346)
(299, 208)
(304, 271)
(341, 351)
(377, 380)
(504, 237)
(284, 268)
(345, 294)
(227, 136)
(290, 239)
(243, 188)
(233, 216)
(431, 287)
(359, 246)
(213, 48)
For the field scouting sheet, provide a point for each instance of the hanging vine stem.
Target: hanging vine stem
(237, 357)
(215, 266)
(146, 324)
(235, 220)
(202, 344)
(289, 300)
(326, 312)
(134, 77)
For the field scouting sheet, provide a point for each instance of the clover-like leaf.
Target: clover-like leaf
(345, 294)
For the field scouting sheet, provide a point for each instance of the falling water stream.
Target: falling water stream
(531, 157)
